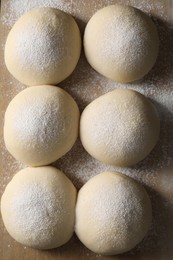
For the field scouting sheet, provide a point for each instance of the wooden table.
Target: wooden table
(155, 172)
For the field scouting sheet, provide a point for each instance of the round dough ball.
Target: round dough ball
(113, 213)
(43, 47)
(38, 207)
(41, 125)
(120, 128)
(121, 43)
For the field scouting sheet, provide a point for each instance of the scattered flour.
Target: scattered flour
(85, 85)
(13, 9)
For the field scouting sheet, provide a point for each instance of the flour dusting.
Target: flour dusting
(85, 85)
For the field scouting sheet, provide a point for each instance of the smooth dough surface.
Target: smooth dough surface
(38, 207)
(121, 43)
(113, 213)
(120, 128)
(43, 47)
(41, 125)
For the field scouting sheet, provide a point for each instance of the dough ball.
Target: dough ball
(121, 43)
(113, 213)
(43, 47)
(120, 128)
(38, 207)
(41, 125)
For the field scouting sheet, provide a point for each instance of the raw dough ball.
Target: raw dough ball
(43, 47)
(113, 213)
(120, 128)
(41, 125)
(38, 207)
(121, 43)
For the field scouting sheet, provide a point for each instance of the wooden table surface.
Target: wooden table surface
(155, 172)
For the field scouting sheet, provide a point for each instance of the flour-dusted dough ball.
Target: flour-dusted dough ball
(43, 47)
(121, 43)
(41, 125)
(38, 207)
(113, 213)
(120, 127)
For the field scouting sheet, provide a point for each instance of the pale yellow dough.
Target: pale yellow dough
(43, 47)
(41, 125)
(113, 213)
(121, 43)
(38, 207)
(120, 128)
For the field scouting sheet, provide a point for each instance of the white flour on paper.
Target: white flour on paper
(85, 85)
(81, 9)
